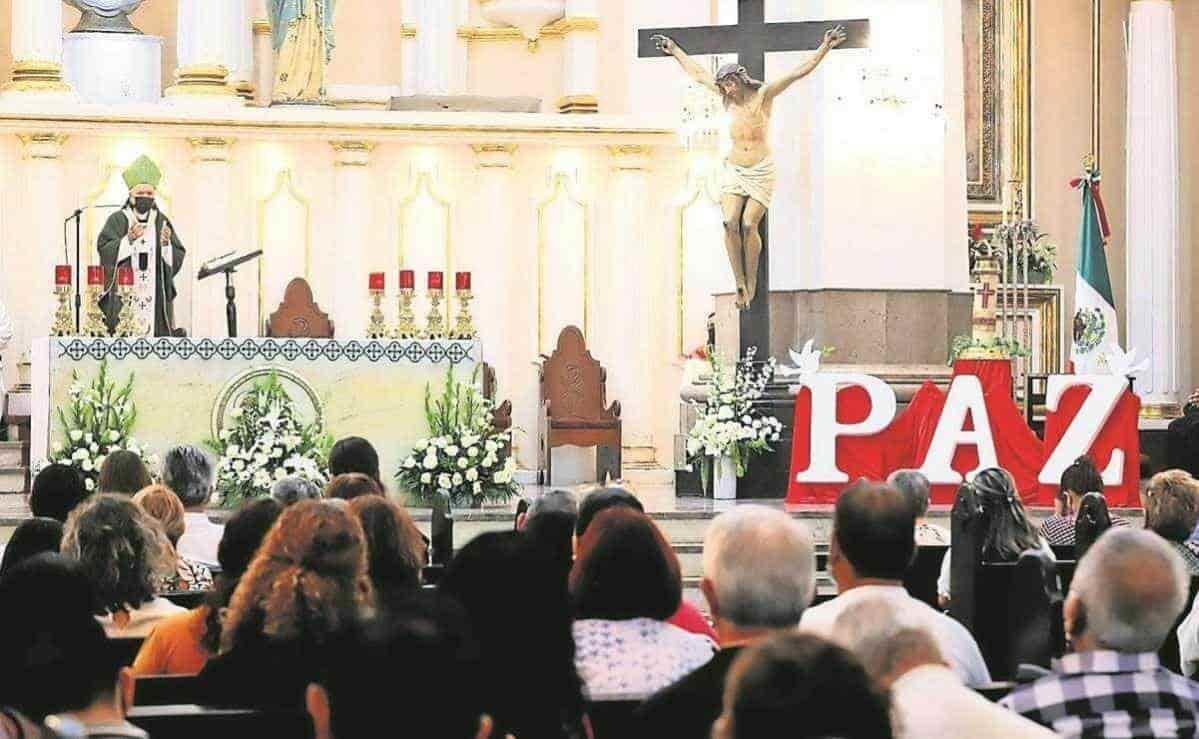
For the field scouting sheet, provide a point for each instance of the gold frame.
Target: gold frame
(284, 181)
(701, 185)
(1006, 66)
(426, 177)
(1046, 301)
(561, 184)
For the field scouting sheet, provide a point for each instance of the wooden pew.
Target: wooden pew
(1169, 654)
(188, 599)
(127, 648)
(612, 719)
(166, 690)
(185, 721)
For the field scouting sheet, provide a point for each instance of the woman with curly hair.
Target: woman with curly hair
(124, 558)
(307, 586)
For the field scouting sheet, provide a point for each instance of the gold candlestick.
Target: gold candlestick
(435, 327)
(94, 324)
(377, 329)
(406, 327)
(127, 324)
(464, 327)
(62, 326)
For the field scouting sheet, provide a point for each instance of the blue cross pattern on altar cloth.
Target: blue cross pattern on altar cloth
(406, 351)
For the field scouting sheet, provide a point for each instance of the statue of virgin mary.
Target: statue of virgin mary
(303, 37)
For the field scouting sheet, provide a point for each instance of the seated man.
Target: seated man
(914, 486)
(904, 659)
(872, 545)
(759, 576)
(1125, 597)
(549, 525)
(190, 472)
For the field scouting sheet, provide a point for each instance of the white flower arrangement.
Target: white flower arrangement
(263, 442)
(730, 423)
(466, 461)
(98, 422)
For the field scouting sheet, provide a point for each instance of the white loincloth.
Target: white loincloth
(756, 182)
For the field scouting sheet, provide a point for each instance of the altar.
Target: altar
(184, 389)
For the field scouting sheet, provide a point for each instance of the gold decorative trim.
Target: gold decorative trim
(494, 156)
(35, 75)
(202, 79)
(261, 26)
(558, 29)
(244, 89)
(210, 148)
(578, 104)
(352, 152)
(284, 184)
(408, 30)
(424, 180)
(43, 145)
(1161, 411)
(701, 186)
(561, 185)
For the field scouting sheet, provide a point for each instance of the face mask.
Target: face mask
(143, 205)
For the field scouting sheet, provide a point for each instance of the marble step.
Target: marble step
(12, 453)
(12, 480)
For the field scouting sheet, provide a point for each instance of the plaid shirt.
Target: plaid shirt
(1059, 530)
(1110, 694)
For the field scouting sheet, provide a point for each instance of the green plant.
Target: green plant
(1004, 344)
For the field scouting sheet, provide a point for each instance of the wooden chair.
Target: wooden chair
(126, 648)
(574, 410)
(298, 316)
(1169, 653)
(185, 721)
(613, 719)
(921, 578)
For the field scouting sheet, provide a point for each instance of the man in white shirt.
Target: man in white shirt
(872, 545)
(928, 701)
(190, 472)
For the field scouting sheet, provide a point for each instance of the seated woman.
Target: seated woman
(351, 485)
(396, 552)
(31, 538)
(625, 584)
(1080, 478)
(1007, 532)
(124, 473)
(121, 552)
(162, 505)
(1171, 503)
(182, 644)
(306, 587)
(519, 612)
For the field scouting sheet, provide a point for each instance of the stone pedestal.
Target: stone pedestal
(885, 327)
(114, 68)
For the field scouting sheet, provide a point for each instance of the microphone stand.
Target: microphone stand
(77, 217)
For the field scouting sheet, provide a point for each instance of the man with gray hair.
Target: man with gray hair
(914, 487)
(191, 473)
(928, 699)
(292, 490)
(1125, 597)
(759, 576)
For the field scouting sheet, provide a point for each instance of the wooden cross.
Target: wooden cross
(752, 38)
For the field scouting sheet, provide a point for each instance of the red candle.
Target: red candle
(407, 279)
(436, 281)
(462, 280)
(62, 274)
(125, 276)
(95, 275)
(378, 281)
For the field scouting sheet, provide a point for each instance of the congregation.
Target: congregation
(318, 604)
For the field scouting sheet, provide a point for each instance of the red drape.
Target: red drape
(1120, 433)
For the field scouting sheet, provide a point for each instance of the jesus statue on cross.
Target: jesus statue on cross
(749, 169)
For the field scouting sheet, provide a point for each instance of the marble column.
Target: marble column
(43, 203)
(37, 47)
(352, 215)
(433, 56)
(580, 75)
(204, 45)
(505, 308)
(1154, 256)
(624, 267)
(210, 234)
(264, 53)
(241, 49)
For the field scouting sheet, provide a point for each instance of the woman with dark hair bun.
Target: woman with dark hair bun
(1007, 532)
(625, 584)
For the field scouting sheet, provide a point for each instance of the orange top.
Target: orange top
(173, 647)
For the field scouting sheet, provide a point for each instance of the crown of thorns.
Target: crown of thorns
(733, 71)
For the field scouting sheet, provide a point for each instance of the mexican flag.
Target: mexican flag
(1095, 327)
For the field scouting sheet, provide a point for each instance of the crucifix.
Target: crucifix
(749, 171)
